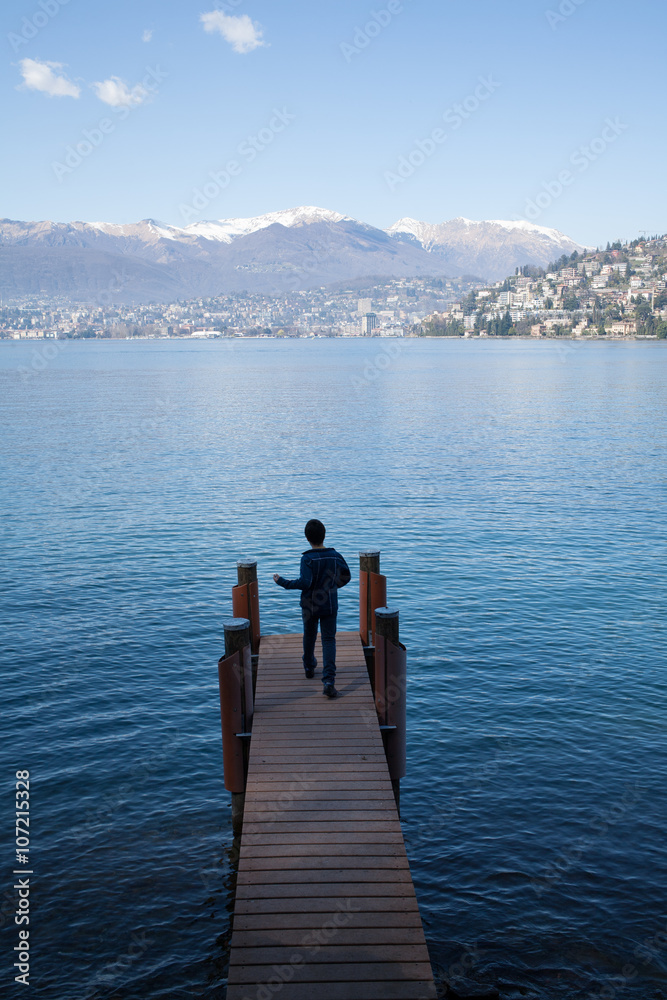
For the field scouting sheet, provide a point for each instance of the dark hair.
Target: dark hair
(315, 532)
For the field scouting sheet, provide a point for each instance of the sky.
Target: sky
(545, 110)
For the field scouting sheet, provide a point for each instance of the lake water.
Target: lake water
(518, 493)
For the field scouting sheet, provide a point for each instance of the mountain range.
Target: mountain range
(294, 250)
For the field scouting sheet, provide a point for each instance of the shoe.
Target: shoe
(330, 691)
(310, 671)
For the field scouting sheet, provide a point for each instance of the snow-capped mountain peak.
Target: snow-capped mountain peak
(210, 257)
(433, 234)
(220, 230)
(226, 230)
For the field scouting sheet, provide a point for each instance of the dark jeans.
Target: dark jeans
(327, 625)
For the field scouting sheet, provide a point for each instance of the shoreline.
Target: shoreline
(189, 340)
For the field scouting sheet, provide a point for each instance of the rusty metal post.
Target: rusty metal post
(369, 562)
(236, 711)
(372, 594)
(390, 694)
(245, 604)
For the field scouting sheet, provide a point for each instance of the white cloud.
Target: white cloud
(116, 92)
(41, 76)
(147, 35)
(241, 33)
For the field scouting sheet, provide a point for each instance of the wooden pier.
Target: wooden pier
(325, 906)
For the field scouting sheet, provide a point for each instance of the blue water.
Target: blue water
(517, 492)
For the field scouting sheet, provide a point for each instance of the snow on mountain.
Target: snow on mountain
(294, 248)
(430, 234)
(491, 249)
(220, 230)
(226, 230)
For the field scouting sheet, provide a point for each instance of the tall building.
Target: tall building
(368, 324)
(364, 306)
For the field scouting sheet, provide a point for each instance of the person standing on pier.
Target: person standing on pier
(323, 571)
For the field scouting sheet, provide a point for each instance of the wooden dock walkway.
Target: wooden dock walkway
(325, 905)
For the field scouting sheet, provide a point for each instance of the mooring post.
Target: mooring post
(372, 594)
(245, 604)
(236, 710)
(390, 694)
(369, 562)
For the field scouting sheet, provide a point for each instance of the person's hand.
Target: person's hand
(276, 577)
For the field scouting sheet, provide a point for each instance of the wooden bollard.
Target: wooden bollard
(390, 694)
(236, 710)
(246, 570)
(372, 594)
(369, 562)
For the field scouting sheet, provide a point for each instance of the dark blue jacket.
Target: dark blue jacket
(322, 572)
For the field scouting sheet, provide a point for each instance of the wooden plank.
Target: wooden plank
(317, 798)
(264, 809)
(314, 739)
(336, 954)
(424, 990)
(283, 786)
(300, 937)
(298, 812)
(298, 924)
(316, 793)
(323, 890)
(333, 972)
(307, 851)
(311, 863)
(333, 826)
(345, 784)
(327, 770)
(317, 904)
(328, 837)
(296, 878)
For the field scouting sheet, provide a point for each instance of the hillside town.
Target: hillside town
(617, 292)
(393, 309)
